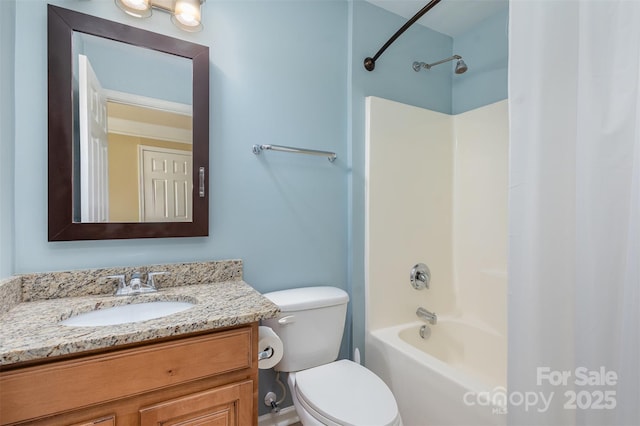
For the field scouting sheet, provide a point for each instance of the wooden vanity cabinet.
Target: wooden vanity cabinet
(205, 379)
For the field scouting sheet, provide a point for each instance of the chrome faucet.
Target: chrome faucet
(427, 316)
(135, 286)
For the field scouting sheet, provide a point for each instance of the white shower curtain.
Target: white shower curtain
(574, 255)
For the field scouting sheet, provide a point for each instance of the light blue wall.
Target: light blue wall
(172, 75)
(393, 78)
(485, 49)
(284, 215)
(7, 136)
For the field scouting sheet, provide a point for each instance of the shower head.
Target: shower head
(461, 67)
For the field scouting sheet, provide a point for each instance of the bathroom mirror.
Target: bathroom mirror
(128, 131)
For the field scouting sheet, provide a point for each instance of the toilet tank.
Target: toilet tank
(310, 325)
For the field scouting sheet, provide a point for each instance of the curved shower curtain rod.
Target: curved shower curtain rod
(370, 63)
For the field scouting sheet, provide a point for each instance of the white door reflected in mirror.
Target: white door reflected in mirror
(94, 145)
(135, 155)
(167, 187)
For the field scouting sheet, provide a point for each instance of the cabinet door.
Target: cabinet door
(223, 406)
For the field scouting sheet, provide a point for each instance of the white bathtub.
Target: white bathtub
(455, 377)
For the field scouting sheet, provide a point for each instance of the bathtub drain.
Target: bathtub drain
(425, 332)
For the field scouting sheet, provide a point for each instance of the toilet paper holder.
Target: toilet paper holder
(266, 353)
(270, 350)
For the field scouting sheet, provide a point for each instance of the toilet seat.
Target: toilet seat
(347, 394)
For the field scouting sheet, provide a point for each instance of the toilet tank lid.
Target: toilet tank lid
(298, 299)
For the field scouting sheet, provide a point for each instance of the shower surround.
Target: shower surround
(436, 192)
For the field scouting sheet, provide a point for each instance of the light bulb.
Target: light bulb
(136, 4)
(137, 8)
(187, 15)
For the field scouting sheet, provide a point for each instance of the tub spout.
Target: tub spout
(427, 316)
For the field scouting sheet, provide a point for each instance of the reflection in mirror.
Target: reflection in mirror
(128, 153)
(133, 135)
(149, 153)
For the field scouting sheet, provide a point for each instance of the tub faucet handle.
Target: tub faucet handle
(420, 276)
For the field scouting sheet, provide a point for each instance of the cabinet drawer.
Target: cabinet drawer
(43, 390)
(226, 405)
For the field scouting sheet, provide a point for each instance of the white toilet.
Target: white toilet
(326, 391)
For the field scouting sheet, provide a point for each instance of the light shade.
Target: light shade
(186, 15)
(137, 8)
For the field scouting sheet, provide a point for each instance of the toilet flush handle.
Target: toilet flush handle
(287, 320)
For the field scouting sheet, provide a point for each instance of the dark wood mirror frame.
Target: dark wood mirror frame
(61, 25)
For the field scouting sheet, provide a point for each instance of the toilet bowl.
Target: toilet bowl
(326, 391)
(342, 393)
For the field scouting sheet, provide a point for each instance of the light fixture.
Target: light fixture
(137, 8)
(185, 14)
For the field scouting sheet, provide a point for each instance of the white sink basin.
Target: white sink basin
(124, 314)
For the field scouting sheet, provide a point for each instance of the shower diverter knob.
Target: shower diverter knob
(420, 276)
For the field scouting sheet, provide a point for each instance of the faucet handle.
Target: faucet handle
(150, 281)
(420, 276)
(121, 282)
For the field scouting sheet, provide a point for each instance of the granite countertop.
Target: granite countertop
(30, 330)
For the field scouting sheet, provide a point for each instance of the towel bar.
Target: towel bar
(257, 149)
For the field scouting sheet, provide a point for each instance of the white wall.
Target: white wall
(436, 188)
(409, 163)
(480, 213)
